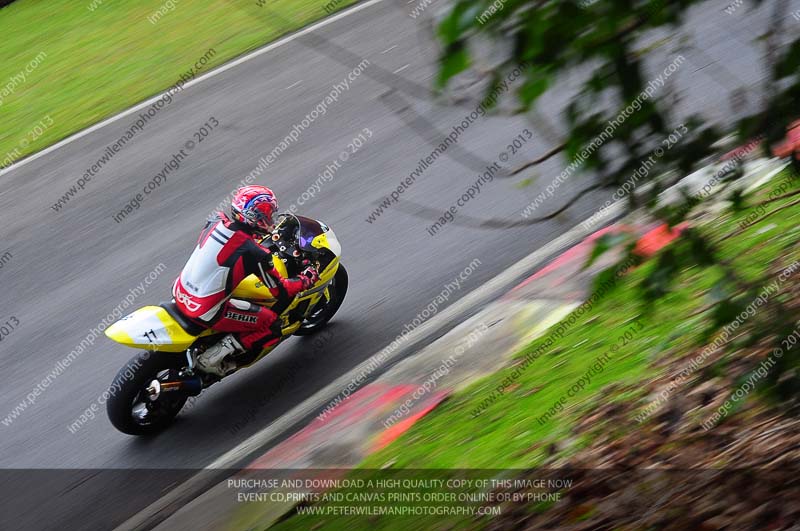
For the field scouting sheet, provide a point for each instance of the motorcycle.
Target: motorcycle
(151, 389)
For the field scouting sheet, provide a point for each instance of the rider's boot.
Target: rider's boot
(213, 360)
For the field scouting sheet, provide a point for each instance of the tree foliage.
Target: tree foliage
(602, 43)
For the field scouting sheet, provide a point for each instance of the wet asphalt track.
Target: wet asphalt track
(69, 269)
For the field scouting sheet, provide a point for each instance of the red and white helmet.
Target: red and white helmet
(254, 206)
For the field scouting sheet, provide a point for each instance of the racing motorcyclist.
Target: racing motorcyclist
(228, 250)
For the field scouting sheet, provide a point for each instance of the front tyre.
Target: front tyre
(129, 406)
(325, 310)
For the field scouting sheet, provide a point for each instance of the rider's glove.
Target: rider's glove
(309, 276)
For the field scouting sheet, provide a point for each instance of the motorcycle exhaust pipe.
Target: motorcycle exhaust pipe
(189, 385)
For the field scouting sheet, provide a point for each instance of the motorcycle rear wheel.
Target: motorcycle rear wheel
(129, 408)
(325, 310)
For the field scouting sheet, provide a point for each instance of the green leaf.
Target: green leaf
(606, 281)
(604, 243)
(449, 30)
(658, 282)
(719, 292)
(454, 61)
(524, 183)
(457, 22)
(737, 200)
(490, 95)
(701, 250)
(535, 85)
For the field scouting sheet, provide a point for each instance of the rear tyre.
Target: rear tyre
(129, 407)
(326, 309)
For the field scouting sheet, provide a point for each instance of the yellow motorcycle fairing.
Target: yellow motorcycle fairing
(152, 328)
(255, 291)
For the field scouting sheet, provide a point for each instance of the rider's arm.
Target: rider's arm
(257, 254)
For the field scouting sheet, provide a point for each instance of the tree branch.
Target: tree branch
(546, 156)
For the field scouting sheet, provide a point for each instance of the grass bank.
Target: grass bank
(510, 433)
(68, 64)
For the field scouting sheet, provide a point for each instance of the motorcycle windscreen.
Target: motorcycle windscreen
(314, 236)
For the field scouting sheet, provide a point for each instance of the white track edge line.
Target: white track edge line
(277, 427)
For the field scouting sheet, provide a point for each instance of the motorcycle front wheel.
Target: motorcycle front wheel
(130, 407)
(325, 309)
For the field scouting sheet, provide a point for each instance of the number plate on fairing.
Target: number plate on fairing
(152, 328)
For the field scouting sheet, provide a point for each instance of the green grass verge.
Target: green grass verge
(90, 64)
(507, 434)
